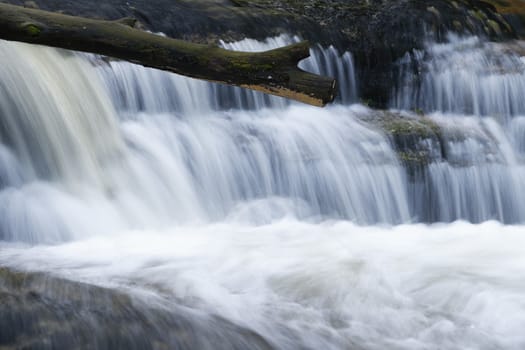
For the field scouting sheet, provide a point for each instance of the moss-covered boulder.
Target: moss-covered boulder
(420, 141)
(417, 139)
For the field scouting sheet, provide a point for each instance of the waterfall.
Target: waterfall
(474, 91)
(153, 210)
(153, 148)
(52, 142)
(478, 176)
(464, 75)
(44, 122)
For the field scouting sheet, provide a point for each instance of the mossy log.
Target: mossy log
(274, 72)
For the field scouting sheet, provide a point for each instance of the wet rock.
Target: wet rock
(30, 4)
(513, 11)
(417, 139)
(40, 311)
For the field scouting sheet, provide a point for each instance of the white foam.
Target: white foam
(328, 285)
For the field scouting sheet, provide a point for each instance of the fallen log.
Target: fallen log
(274, 72)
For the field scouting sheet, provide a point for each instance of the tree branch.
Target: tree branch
(274, 72)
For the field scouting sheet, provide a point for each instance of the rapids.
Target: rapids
(332, 285)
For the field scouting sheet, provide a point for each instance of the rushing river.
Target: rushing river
(300, 225)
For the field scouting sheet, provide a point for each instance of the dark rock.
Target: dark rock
(40, 311)
(514, 13)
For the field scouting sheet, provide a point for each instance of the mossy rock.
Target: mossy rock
(414, 137)
(420, 127)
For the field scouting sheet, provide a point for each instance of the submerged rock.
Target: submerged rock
(416, 138)
(41, 311)
(420, 141)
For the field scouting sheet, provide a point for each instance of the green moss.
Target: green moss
(248, 66)
(480, 15)
(434, 11)
(367, 102)
(12, 277)
(32, 29)
(251, 67)
(494, 26)
(504, 22)
(407, 133)
(419, 127)
(414, 157)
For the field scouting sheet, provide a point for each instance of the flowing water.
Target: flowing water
(299, 224)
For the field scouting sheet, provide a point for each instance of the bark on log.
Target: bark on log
(274, 72)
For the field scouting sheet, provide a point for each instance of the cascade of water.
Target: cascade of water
(477, 176)
(53, 143)
(44, 119)
(176, 159)
(463, 76)
(480, 173)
